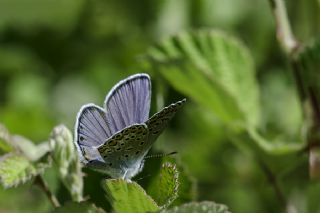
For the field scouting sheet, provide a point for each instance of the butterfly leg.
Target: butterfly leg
(124, 175)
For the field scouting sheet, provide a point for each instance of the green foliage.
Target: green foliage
(128, 197)
(82, 207)
(217, 71)
(16, 169)
(275, 146)
(67, 161)
(5, 147)
(25, 18)
(309, 60)
(21, 160)
(242, 136)
(205, 64)
(202, 207)
(164, 189)
(187, 190)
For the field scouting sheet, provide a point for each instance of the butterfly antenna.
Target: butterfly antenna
(160, 155)
(141, 178)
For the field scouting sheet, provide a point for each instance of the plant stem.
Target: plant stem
(290, 46)
(274, 182)
(284, 33)
(43, 185)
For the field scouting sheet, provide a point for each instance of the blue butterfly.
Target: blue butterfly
(115, 139)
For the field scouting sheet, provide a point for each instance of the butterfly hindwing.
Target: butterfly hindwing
(127, 145)
(128, 102)
(91, 129)
(159, 121)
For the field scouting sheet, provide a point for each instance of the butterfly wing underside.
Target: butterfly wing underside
(128, 102)
(159, 121)
(125, 147)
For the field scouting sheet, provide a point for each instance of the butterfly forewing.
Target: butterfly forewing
(128, 102)
(159, 121)
(126, 146)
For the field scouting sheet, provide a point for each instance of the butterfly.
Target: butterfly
(115, 139)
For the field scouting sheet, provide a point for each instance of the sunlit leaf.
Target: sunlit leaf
(202, 207)
(214, 69)
(16, 169)
(82, 207)
(164, 188)
(128, 197)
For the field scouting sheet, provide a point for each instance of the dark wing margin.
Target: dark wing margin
(128, 102)
(159, 121)
(91, 128)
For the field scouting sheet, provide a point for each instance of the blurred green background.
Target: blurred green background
(56, 55)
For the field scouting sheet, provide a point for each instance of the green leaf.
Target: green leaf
(202, 207)
(275, 146)
(187, 190)
(16, 169)
(83, 207)
(164, 188)
(66, 158)
(30, 150)
(21, 144)
(128, 197)
(214, 69)
(5, 146)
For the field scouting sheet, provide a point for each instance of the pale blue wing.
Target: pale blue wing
(91, 130)
(159, 121)
(128, 102)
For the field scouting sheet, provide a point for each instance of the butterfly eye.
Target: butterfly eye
(81, 138)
